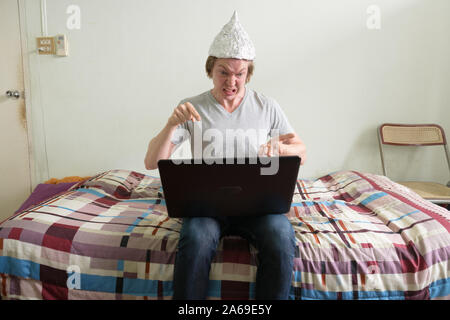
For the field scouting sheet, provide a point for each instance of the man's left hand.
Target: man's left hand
(284, 145)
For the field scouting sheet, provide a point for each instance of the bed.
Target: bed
(358, 236)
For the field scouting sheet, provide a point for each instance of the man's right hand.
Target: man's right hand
(182, 113)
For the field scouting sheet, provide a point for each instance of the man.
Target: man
(231, 107)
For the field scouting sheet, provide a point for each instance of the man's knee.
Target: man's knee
(200, 234)
(279, 234)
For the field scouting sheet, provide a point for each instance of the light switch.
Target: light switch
(62, 47)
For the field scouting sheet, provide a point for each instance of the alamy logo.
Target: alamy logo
(73, 277)
(74, 19)
(373, 277)
(373, 21)
(213, 146)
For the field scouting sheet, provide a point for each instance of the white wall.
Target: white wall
(132, 61)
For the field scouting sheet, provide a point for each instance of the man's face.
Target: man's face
(229, 77)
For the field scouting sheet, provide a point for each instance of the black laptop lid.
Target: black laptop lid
(232, 187)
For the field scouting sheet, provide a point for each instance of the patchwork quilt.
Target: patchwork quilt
(358, 236)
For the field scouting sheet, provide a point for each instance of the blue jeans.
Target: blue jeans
(272, 235)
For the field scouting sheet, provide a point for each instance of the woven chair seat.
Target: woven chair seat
(428, 190)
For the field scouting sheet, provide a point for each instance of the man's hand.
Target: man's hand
(182, 113)
(160, 147)
(284, 145)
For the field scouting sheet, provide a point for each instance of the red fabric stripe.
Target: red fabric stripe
(53, 292)
(159, 224)
(310, 229)
(236, 250)
(3, 285)
(15, 233)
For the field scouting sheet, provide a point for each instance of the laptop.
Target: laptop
(230, 187)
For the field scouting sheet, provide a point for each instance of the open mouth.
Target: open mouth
(229, 91)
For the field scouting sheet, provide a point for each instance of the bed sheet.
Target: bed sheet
(358, 236)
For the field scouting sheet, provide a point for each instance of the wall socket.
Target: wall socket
(56, 45)
(46, 45)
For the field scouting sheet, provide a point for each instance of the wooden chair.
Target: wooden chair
(417, 135)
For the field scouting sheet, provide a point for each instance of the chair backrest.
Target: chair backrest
(411, 135)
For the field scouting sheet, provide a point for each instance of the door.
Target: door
(15, 181)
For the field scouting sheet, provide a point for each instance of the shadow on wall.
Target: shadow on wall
(363, 153)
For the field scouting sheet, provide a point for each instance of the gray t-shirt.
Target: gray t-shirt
(236, 134)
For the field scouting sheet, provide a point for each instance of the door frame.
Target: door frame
(34, 114)
(26, 87)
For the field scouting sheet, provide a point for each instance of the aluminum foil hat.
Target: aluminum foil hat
(232, 42)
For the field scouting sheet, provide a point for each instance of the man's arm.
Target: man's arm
(289, 144)
(292, 145)
(160, 147)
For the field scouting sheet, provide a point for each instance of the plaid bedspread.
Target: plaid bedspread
(359, 236)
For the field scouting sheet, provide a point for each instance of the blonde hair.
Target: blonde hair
(212, 60)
